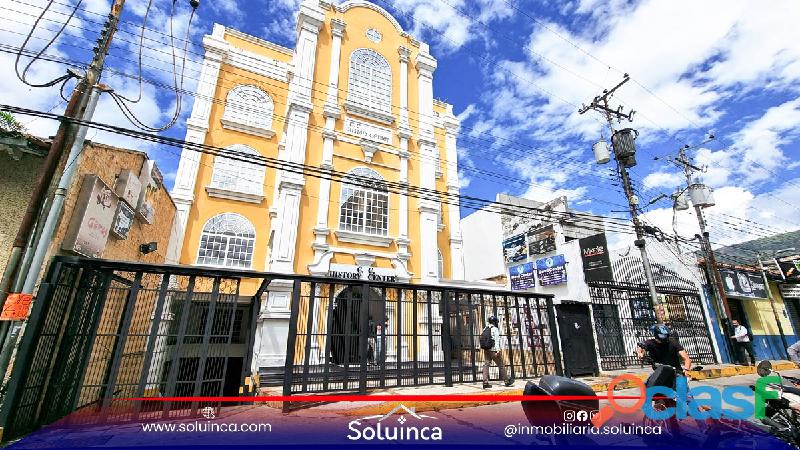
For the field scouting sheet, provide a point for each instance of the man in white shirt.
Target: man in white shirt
(494, 354)
(742, 344)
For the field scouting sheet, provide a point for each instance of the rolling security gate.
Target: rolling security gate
(101, 331)
(356, 336)
(623, 314)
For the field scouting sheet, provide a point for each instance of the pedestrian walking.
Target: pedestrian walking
(492, 351)
(741, 339)
(794, 352)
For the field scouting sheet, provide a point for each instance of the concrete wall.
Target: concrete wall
(17, 178)
(483, 246)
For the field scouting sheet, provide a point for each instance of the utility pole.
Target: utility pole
(65, 139)
(624, 157)
(712, 273)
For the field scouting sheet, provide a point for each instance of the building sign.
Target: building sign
(128, 187)
(514, 249)
(123, 221)
(522, 277)
(552, 270)
(92, 218)
(352, 272)
(790, 290)
(790, 269)
(16, 307)
(594, 254)
(541, 241)
(743, 284)
(367, 131)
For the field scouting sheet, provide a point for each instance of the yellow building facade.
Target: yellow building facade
(338, 160)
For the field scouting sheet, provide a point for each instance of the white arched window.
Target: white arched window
(370, 81)
(227, 240)
(248, 109)
(236, 173)
(364, 203)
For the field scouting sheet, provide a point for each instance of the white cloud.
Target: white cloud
(662, 179)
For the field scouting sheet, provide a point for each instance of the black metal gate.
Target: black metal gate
(623, 314)
(102, 331)
(356, 336)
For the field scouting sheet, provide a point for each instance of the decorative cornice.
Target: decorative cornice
(294, 184)
(426, 64)
(365, 4)
(337, 27)
(427, 139)
(404, 131)
(404, 53)
(367, 112)
(248, 129)
(331, 110)
(234, 195)
(329, 134)
(362, 238)
(310, 18)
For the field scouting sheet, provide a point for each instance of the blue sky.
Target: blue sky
(516, 73)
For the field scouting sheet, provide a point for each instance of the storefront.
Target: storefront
(749, 303)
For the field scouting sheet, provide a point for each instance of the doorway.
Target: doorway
(349, 325)
(577, 340)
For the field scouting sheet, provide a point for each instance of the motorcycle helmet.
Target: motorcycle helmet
(660, 331)
(493, 320)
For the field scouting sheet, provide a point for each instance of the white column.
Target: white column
(451, 126)
(331, 113)
(290, 184)
(429, 208)
(196, 128)
(404, 133)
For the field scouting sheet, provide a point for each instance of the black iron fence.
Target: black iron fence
(623, 314)
(102, 331)
(359, 336)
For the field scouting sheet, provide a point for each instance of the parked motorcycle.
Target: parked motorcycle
(781, 414)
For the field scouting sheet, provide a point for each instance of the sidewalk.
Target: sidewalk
(598, 384)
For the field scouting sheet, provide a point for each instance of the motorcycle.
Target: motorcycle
(780, 415)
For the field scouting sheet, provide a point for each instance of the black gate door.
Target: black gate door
(577, 341)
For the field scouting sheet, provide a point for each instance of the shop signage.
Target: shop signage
(353, 272)
(594, 254)
(514, 249)
(522, 277)
(128, 187)
(790, 269)
(92, 218)
(367, 131)
(743, 284)
(541, 241)
(551, 270)
(123, 221)
(790, 290)
(16, 307)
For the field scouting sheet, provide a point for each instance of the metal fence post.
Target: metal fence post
(551, 316)
(291, 340)
(446, 338)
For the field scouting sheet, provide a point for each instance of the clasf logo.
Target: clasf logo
(400, 424)
(700, 402)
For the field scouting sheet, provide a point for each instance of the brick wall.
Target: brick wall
(17, 178)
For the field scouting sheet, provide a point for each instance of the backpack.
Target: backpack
(486, 340)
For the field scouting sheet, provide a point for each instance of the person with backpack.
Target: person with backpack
(490, 344)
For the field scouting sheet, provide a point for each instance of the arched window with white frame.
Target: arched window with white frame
(227, 240)
(241, 171)
(370, 81)
(364, 203)
(249, 107)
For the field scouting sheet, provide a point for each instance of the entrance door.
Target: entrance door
(738, 313)
(577, 341)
